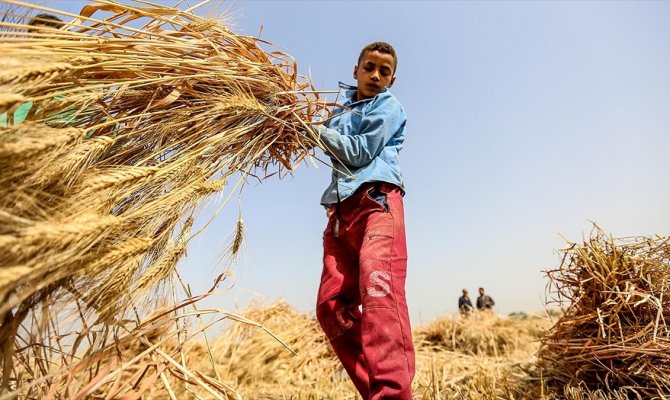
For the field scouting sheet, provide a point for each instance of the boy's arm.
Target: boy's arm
(377, 128)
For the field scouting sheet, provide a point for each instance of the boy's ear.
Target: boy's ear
(392, 81)
(356, 71)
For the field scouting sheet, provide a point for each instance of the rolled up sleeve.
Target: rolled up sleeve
(379, 124)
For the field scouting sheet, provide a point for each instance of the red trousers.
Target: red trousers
(365, 263)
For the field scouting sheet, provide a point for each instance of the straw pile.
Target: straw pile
(614, 334)
(482, 334)
(139, 113)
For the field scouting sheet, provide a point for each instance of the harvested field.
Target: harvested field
(140, 114)
(484, 357)
(259, 367)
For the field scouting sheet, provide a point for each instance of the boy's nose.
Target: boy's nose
(375, 76)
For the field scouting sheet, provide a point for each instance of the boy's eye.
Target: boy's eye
(369, 69)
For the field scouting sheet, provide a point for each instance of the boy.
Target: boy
(365, 255)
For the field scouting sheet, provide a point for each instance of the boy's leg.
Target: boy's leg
(337, 306)
(386, 332)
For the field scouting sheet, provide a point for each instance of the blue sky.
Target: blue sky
(526, 121)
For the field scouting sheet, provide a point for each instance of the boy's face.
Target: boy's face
(374, 72)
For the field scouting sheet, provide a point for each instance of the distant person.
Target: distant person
(464, 304)
(484, 301)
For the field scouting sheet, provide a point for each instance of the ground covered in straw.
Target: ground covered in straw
(483, 357)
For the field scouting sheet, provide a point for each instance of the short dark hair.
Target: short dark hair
(49, 20)
(381, 47)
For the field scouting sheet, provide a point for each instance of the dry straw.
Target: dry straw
(485, 357)
(139, 113)
(259, 366)
(614, 334)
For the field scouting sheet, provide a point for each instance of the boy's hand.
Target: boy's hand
(313, 133)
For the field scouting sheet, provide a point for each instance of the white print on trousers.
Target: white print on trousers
(379, 278)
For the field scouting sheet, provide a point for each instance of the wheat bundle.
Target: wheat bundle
(138, 112)
(614, 334)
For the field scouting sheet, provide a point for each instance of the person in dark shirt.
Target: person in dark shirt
(464, 304)
(484, 301)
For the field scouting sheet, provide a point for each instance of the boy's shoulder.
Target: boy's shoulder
(386, 98)
(387, 103)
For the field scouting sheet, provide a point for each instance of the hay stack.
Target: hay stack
(614, 334)
(481, 334)
(139, 113)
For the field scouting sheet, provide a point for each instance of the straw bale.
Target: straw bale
(614, 334)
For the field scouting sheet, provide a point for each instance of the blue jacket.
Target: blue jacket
(363, 142)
